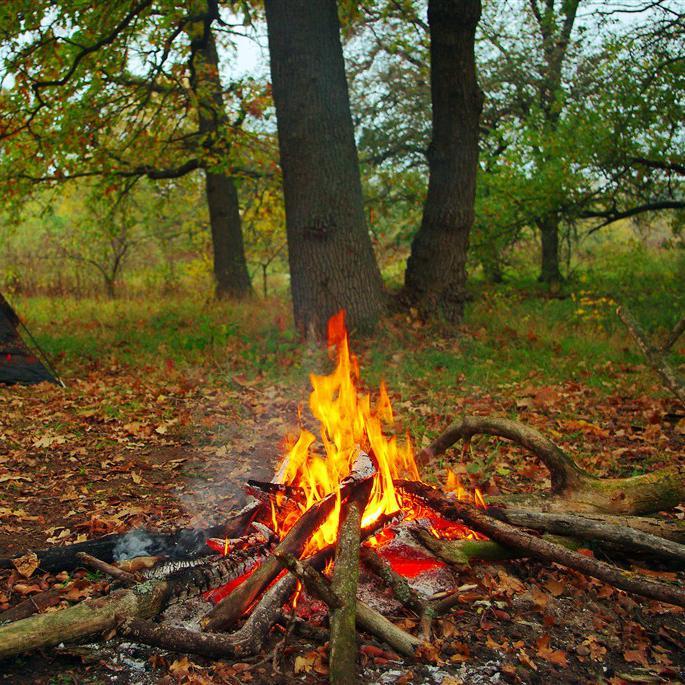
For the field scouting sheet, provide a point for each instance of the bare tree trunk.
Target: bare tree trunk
(549, 237)
(230, 267)
(435, 281)
(332, 265)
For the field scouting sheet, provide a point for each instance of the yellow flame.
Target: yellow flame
(347, 421)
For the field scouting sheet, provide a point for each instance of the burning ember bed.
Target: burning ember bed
(349, 496)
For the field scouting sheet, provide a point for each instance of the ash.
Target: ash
(484, 674)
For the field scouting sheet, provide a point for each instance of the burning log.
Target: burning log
(367, 618)
(573, 489)
(257, 488)
(401, 589)
(231, 608)
(461, 553)
(343, 650)
(532, 546)
(94, 616)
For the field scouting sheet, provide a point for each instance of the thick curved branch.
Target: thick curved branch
(564, 472)
(573, 489)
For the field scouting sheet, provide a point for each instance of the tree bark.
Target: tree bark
(554, 32)
(332, 265)
(435, 280)
(230, 267)
(549, 238)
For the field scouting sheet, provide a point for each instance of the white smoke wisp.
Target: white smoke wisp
(136, 543)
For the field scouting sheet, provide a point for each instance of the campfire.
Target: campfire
(354, 454)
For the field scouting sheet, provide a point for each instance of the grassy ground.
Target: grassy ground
(512, 332)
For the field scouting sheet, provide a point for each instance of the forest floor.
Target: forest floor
(169, 408)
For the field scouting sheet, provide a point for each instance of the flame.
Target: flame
(348, 422)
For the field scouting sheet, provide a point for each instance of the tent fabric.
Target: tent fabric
(17, 363)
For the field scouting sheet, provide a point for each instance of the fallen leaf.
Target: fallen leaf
(555, 587)
(27, 564)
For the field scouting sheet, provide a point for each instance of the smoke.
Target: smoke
(136, 543)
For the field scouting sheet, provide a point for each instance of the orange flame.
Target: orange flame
(348, 422)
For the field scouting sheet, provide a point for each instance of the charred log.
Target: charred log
(181, 544)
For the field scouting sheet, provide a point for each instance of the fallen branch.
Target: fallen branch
(665, 529)
(247, 641)
(102, 566)
(94, 616)
(656, 357)
(533, 546)
(33, 605)
(579, 527)
(573, 489)
(673, 336)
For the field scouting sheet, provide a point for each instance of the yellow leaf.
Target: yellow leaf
(304, 664)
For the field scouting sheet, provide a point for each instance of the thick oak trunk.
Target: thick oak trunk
(435, 280)
(332, 265)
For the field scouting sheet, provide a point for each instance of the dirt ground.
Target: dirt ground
(115, 452)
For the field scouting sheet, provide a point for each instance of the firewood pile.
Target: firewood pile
(253, 573)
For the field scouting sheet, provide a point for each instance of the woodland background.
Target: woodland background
(185, 365)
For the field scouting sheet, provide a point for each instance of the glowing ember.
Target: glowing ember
(348, 422)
